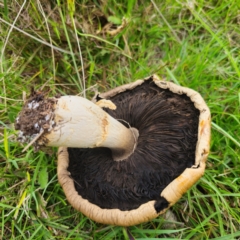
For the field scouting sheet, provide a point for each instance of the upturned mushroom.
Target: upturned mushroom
(129, 154)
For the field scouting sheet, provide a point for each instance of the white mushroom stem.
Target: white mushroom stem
(82, 124)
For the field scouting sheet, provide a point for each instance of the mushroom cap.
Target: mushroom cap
(170, 186)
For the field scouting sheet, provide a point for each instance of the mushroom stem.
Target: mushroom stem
(79, 123)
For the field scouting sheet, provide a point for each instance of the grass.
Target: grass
(67, 48)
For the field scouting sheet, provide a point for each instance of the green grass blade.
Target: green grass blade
(226, 134)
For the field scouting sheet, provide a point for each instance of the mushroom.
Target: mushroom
(129, 154)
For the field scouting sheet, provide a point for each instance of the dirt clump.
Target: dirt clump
(36, 117)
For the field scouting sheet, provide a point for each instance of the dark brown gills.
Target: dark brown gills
(168, 128)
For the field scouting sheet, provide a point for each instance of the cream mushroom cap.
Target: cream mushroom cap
(171, 193)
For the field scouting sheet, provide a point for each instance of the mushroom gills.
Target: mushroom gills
(168, 129)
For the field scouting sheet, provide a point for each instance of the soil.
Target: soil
(35, 117)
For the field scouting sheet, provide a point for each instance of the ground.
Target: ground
(84, 47)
